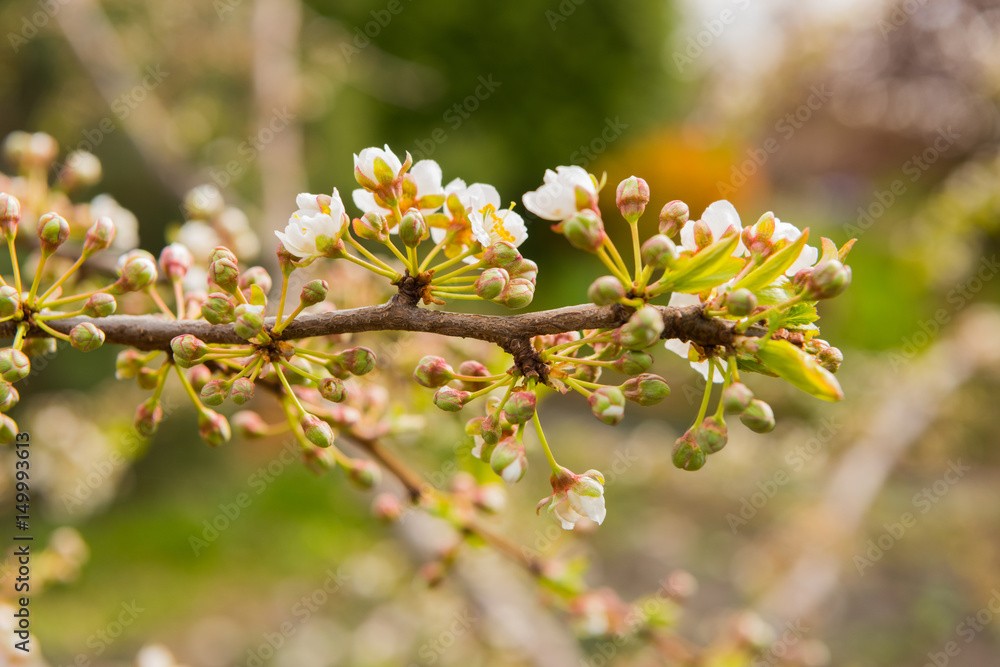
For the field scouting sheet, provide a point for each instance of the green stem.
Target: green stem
(284, 295)
(462, 297)
(615, 271)
(52, 332)
(19, 336)
(155, 296)
(192, 394)
(308, 376)
(708, 391)
(454, 260)
(635, 251)
(179, 298)
(364, 251)
(613, 251)
(556, 468)
(288, 388)
(38, 279)
(70, 271)
(14, 264)
(371, 267)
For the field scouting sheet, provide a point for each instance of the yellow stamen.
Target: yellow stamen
(497, 231)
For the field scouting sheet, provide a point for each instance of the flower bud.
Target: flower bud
(520, 407)
(605, 291)
(646, 389)
(371, 226)
(642, 329)
(585, 230)
(433, 372)
(702, 235)
(741, 302)
(10, 215)
(828, 279)
(450, 399)
(758, 417)
(687, 455)
(147, 378)
(8, 430)
(386, 507)
(188, 350)
(317, 431)
(138, 273)
(219, 308)
(332, 389)
(673, 216)
(631, 198)
(491, 283)
(224, 273)
(525, 269)
(175, 260)
(100, 236)
(100, 305)
(256, 275)
(659, 252)
(203, 202)
(490, 430)
(198, 376)
(365, 474)
(127, 364)
(587, 373)
(14, 365)
(213, 428)
(502, 255)
(830, 358)
(249, 424)
(249, 320)
(509, 460)
(148, 417)
(82, 169)
(9, 396)
(313, 292)
(53, 230)
(214, 393)
(221, 252)
(86, 337)
(286, 260)
(242, 391)
(357, 360)
(633, 362)
(712, 434)
(413, 228)
(736, 398)
(10, 301)
(518, 293)
(473, 368)
(608, 405)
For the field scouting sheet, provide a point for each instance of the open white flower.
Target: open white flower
(421, 189)
(683, 349)
(469, 198)
(719, 216)
(556, 199)
(791, 233)
(491, 226)
(582, 496)
(318, 216)
(364, 162)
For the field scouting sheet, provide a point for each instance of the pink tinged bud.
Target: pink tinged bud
(286, 260)
(659, 252)
(8, 430)
(219, 308)
(10, 215)
(673, 216)
(14, 365)
(518, 293)
(491, 283)
(741, 302)
(828, 279)
(605, 291)
(633, 362)
(386, 507)
(332, 389)
(712, 434)
(646, 389)
(221, 252)
(702, 235)
(313, 292)
(256, 275)
(474, 426)
(9, 396)
(450, 400)
(758, 417)
(413, 228)
(508, 460)
(502, 255)
(357, 360)
(100, 305)
(490, 430)
(39, 347)
(364, 474)
(642, 329)
(86, 337)
(138, 273)
(585, 230)
(249, 424)
(371, 226)
(317, 431)
(147, 378)
(830, 358)
(242, 391)
(188, 350)
(473, 369)
(148, 417)
(53, 230)
(631, 198)
(224, 273)
(525, 269)
(204, 202)
(99, 236)
(587, 373)
(687, 455)
(175, 260)
(520, 407)
(10, 301)
(736, 398)
(199, 376)
(127, 364)
(608, 405)
(214, 393)
(213, 428)
(249, 320)
(433, 372)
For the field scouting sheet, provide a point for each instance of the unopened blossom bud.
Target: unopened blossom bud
(53, 230)
(491, 283)
(830, 358)
(633, 362)
(225, 273)
(175, 260)
(587, 373)
(242, 391)
(608, 405)
(9, 396)
(363, 473)
(203, 202)
(642, 329)
(148, 378)
(450, 399)
(646, 389)
(100, 235)
(520, 407)
(386, 507)
(490, 430)
(509, 460)
(127, 364)
(286, 260)
(433, 371)
(758, 417)
(687, 455)
(317, 431)
(357, 360)
(86, 337)
(10, 215)
(221, 252)
(741, 302)
(828, 279)
(659, 252)
(219, 308)
(518, 293)
(585, 230)
(8, 430)
(413, 228)
(249, 320)
(605, 291)
(712, 434)
(502, 254)
(249, 424)
(474, 426)
(673, 216)
(525, 269)
(188, 350)
(148, 417)
(100, 305)
(332, 389)
(256, 275)
(198, 376)
(313, 292)
(702, 235)
(473, 368)
(14, 365)
(82, 169)
(138, 273)
(631, 198)
(736, 398)
(10, 301)
(213, 428)
(214, 393)
(371, 226)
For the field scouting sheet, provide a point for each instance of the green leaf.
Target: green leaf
(257, 296)
(798, 316)
(774, 266)
(710, 267)
(800, 369)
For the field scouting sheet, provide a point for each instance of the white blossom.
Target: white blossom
(556, 198)
(318, 215)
